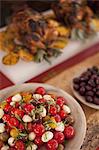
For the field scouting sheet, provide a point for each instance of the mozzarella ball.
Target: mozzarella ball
(27, 118)
(1, 113)
(47, 97)
(37, 96)
(48, 135)
(12, 103)
(11, 141)
(60, 127)
(43, 113)
(32, 136)
(66, 109)
(32, 147)
(2, 127)
(16, 98)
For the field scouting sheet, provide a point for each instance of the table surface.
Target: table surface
(63, 80)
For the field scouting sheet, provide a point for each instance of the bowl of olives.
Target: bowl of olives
(85, 87)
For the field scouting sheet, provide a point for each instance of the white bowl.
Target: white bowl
(82, 99)
(76, 110)
(79, 97)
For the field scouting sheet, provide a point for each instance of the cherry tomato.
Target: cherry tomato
(52, 145)
(57, 118)
(6, 117)
(19, 112)
(30, 127)
(7, 108)
(60, 101)
(40, 90)
(62, 114)
(28, 107)
(13, 122)
(38, 141)
(53, 110)
(19, 145)
(69, 132)
(13, 110)
(39, 129)
(8, 128)
(17, 104)
(9, 99)
(59, 137)
(42, 100)
(21, 127)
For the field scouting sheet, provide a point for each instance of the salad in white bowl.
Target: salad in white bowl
(38, 118)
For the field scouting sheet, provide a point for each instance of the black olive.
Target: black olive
(89, 99)
(96, 100)
(97, 93)
(91, 83)
(76, 87)
(97, 81)
(88, 87)
(82, 90)
(76, 80)
(90, 93)
(95, 68)
(69, 120)
(82, 84)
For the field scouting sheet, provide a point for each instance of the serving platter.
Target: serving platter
(76, 110)
(23, 71)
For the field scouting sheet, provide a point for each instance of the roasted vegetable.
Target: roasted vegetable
(10, 59)
(63, 31)
(30, 36)
(53, 23)
(77, 16)
(25, 55)
(33, 37)
(60, 44)
(96, 24)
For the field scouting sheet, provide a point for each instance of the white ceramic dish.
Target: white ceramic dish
(82, 99)
(79, 97)
(77, 112)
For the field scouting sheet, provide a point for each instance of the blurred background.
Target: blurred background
(8, 6)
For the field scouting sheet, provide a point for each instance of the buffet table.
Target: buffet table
(62, 79)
